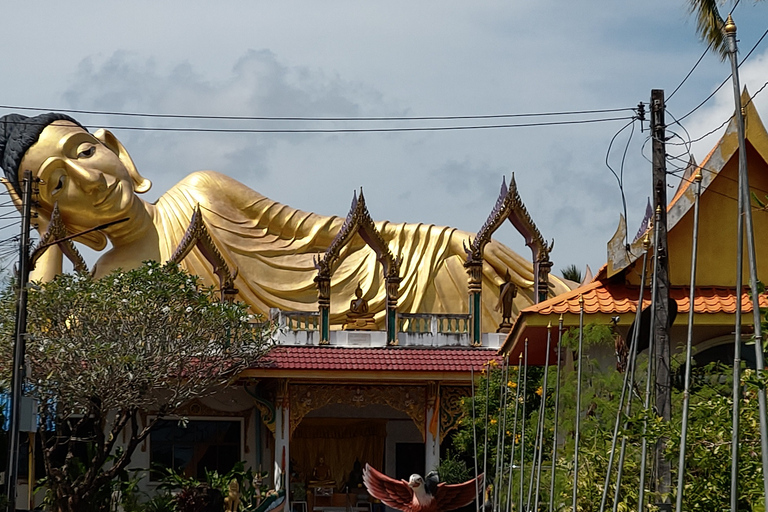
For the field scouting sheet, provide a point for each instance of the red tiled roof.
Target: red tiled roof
(616, 299)
(601, 298)
(401, 359)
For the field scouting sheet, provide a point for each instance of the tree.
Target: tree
(100, 352)
(709, 24)
(709, 433)
(572, 273)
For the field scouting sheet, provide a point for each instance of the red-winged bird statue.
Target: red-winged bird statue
(418, 495)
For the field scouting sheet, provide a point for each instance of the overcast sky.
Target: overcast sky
(383, 59)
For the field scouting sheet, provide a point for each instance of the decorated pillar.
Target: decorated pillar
(282, 433)
(543, 268)
(393, 288)
(432, 419)
(475, 272)
(323, 282)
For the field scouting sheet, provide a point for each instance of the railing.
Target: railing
(424, 323)
(301, 320)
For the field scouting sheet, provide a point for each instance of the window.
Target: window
(199, 446)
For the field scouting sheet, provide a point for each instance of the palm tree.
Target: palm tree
(572, 273)
(709, 24)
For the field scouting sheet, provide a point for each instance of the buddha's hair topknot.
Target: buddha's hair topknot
(17, 134)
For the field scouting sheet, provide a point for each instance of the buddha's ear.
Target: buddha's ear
(140, 183)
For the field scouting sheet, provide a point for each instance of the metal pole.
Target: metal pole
(522, 427)
(578, 405)
(542, 410)
(500, 433)
(737, 359)
(649, 372)
(557, 409)
(474, 437)
(688, 351)
(629, 375)
(19, 347)
(485, 442)
(631, 369)
(730, 31)
(514, 433)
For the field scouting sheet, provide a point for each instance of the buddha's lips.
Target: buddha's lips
(110, 191)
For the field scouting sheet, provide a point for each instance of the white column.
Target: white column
(282, 435)
(432, 444)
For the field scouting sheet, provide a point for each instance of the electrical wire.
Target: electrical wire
(309, 118)
(690, 72)
(362, 130)
(754, 47)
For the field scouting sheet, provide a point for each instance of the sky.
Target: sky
(353, 59)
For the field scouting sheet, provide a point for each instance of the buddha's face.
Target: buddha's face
(87, 179)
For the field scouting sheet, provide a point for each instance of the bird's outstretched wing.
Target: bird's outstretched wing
(391, 492)
(453, 496)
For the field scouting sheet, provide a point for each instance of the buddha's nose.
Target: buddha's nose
(89, 180)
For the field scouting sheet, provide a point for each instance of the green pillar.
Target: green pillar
(324, 305)
(475, 271)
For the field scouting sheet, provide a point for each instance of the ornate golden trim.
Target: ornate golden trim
(358, 221)
(451, 410)
(411, 400)
(56, 231)
(197, 235)
(510, 206)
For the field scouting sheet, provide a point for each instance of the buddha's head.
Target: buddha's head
(90, 176)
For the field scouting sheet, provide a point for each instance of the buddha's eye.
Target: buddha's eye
(59, 185)
(87, 152)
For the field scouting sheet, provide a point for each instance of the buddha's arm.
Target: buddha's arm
(48, 265)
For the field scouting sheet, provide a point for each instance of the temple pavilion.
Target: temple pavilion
(612, 296)
(382, 386)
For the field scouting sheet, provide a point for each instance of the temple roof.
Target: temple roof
(394, 363)
(713, 305)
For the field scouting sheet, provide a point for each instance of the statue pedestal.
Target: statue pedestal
(360, 323)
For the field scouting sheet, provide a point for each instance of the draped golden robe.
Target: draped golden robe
(272, 246)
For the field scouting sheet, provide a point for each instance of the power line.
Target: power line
(309, 118)
(364, 130)
(754, 47)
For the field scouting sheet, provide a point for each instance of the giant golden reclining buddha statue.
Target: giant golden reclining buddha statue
(93, 181)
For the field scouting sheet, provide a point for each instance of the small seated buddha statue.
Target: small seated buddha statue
(321, 475)
(232, 500)
(358, 317)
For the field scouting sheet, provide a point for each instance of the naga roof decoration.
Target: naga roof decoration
(197, 236)
(56, 231)
(358, 221)
(509, 206)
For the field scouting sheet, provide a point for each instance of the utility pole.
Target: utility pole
(19, 347)
(661, 281)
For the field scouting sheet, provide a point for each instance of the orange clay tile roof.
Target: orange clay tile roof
(402, 359)
(614, 299)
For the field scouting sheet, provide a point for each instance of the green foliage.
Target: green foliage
(181, 493)
(100, 351)
(572, 273)
(708, 440)
(452, 469)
